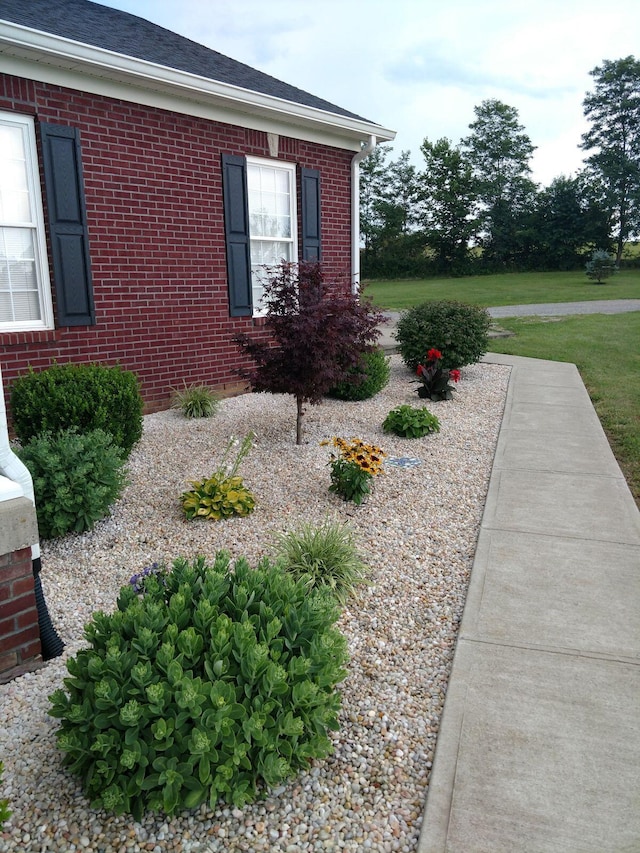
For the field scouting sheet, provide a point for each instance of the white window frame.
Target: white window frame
(35, 224)
(257, 271)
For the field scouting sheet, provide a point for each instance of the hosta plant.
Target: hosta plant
(409, 422)
(218, 682)
(223, 494)
(324, 556)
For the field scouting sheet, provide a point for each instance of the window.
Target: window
(25, 292)
(260, 223)
(271, 190)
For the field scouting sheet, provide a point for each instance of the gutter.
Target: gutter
(366, 149)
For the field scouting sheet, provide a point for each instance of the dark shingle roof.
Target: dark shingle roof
(121, 32)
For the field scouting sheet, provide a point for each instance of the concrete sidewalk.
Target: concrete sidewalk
(539, 746)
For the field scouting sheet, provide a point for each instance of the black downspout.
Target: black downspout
(51, 643)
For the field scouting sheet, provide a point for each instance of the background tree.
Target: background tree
(499, 151)
(613, 109)
(567, 223)
(318, 333)
(373, 176)
(448, 203)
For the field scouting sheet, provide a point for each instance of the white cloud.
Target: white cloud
(420, 66)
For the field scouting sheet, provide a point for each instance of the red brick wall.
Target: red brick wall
(154, 204)
(19, 632)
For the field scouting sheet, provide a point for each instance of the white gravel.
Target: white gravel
(418, 533)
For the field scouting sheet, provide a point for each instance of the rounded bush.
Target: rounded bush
(366, 380)
(214, 683)
(458, 330)
(76, 478)
(85, 396)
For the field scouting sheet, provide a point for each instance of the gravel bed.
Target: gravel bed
(418, 533)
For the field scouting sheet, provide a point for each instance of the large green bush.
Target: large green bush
(76, 478)
(365, 380)
(458, 330)
(214, 683)
(85, 396)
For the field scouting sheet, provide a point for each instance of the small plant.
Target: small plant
(353, 468)
(84, 396)
(5, 812)
(325, 557)
(138, 581)
(409, 422)
(365, 380)
(456, 329)
(217, 683)
(601, 266)
(435, 378)
(224, 494)
(76, 478)
(195, 401)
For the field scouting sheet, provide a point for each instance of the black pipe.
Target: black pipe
(51, 643)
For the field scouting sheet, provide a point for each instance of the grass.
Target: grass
(606, 350)
(505, 289)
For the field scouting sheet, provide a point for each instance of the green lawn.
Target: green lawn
(606, 350)
(505, 289)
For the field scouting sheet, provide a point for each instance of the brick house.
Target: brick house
(144, 181)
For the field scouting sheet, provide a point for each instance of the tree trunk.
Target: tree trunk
(299, 402)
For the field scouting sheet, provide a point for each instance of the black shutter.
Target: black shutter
(236, 227)
(310, 197)
(68, 224)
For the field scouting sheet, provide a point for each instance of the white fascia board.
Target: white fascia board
(52, 59)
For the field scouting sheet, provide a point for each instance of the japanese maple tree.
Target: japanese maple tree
(318, 332)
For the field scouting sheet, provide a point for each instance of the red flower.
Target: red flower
(419, 370)
(455, 375)
(434, 354)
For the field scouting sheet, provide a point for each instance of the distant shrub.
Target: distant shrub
(85, 396)
(601, 266)
(195, 401)
(365, 380)
(458, 330)
(215, 683)
(324, 556)
(409, 422)
(76, 478)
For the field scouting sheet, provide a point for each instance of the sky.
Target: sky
(419, 67)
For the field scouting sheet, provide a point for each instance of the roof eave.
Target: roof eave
(40, 47)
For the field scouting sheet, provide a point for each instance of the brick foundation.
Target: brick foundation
(20, 649)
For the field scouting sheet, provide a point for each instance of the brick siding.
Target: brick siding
(19, 632)
(156, 232)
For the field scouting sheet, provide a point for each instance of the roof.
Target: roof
(120, 32)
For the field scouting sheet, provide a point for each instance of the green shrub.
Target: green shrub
(5, 813)
(76, 478)
(409, 422)
(85, 396)
(195, 401)
(324, 557)
(601, 266)
(365, 381)
(212, 684)
(458, 330)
